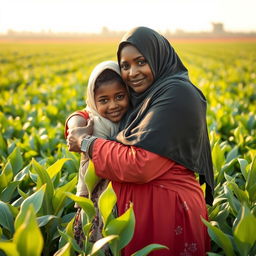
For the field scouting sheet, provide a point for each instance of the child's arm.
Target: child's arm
(76, 121)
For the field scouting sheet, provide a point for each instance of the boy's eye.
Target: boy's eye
(103, 101)
(120, 96)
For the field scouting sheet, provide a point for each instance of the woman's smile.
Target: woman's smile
(136, 82)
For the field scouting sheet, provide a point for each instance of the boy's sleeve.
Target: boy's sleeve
(81, 113)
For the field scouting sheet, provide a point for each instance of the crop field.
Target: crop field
(41, 83)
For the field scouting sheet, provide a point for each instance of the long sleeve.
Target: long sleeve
(81, 121)
(121, 163)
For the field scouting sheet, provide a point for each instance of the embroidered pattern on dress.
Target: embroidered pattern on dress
(189, 250)
(178, 230)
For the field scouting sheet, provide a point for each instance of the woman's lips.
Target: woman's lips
(136, 82)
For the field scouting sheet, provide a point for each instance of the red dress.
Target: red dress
(168, 200)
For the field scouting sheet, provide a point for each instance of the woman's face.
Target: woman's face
(135, 70)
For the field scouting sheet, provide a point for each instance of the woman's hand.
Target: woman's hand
(76, 135)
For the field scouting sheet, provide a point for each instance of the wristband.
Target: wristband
(86, 143)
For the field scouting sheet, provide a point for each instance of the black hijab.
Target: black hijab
(169, 118)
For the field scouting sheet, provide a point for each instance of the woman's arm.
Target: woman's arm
(118, 162)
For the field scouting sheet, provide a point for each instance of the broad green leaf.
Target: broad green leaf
(64, 251)
(106, 202)
(18, 202)
(60, 196)
(241, 195)
(232, 154)
(233, 202)
(3, 146)
(22, 174)
(43, 220)
(243, 164)
(27, 232)
(6, 176)
(68, 235)
(229, 178)
(7, 193)
(14, 210)
(70, 240)
(251, 121)
(252, 192)
(90, 178)
(250, 184)
(11, 148)
(36, 200)
(9, 248)
(16, 160)
(85, 203)
(6, 217)
(30, 154)
(44, 178)
(22, 194)
(87, 228)
(245, 230)
(100, 243)
(218, 157)
(35, 179)
(56, 167)
(228, 167)
(222, 216)
(122, 226)
(238, 133)
(149, 248)
(69, 228)
(214, 211)
(221, 239)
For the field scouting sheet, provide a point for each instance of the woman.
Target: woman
(162, 143)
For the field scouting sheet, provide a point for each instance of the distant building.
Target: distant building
(217, 27)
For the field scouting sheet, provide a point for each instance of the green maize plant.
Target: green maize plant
(41, 83)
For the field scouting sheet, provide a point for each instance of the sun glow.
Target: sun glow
(92, 15)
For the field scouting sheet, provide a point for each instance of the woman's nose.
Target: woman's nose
(133, 71)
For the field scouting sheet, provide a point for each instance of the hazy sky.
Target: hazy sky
(92, 15)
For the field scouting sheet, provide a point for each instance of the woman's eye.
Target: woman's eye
(141, 62)
(124, 66)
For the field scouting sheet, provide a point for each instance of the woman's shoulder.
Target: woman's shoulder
(185, 89)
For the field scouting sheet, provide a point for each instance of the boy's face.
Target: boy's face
(112, 100)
